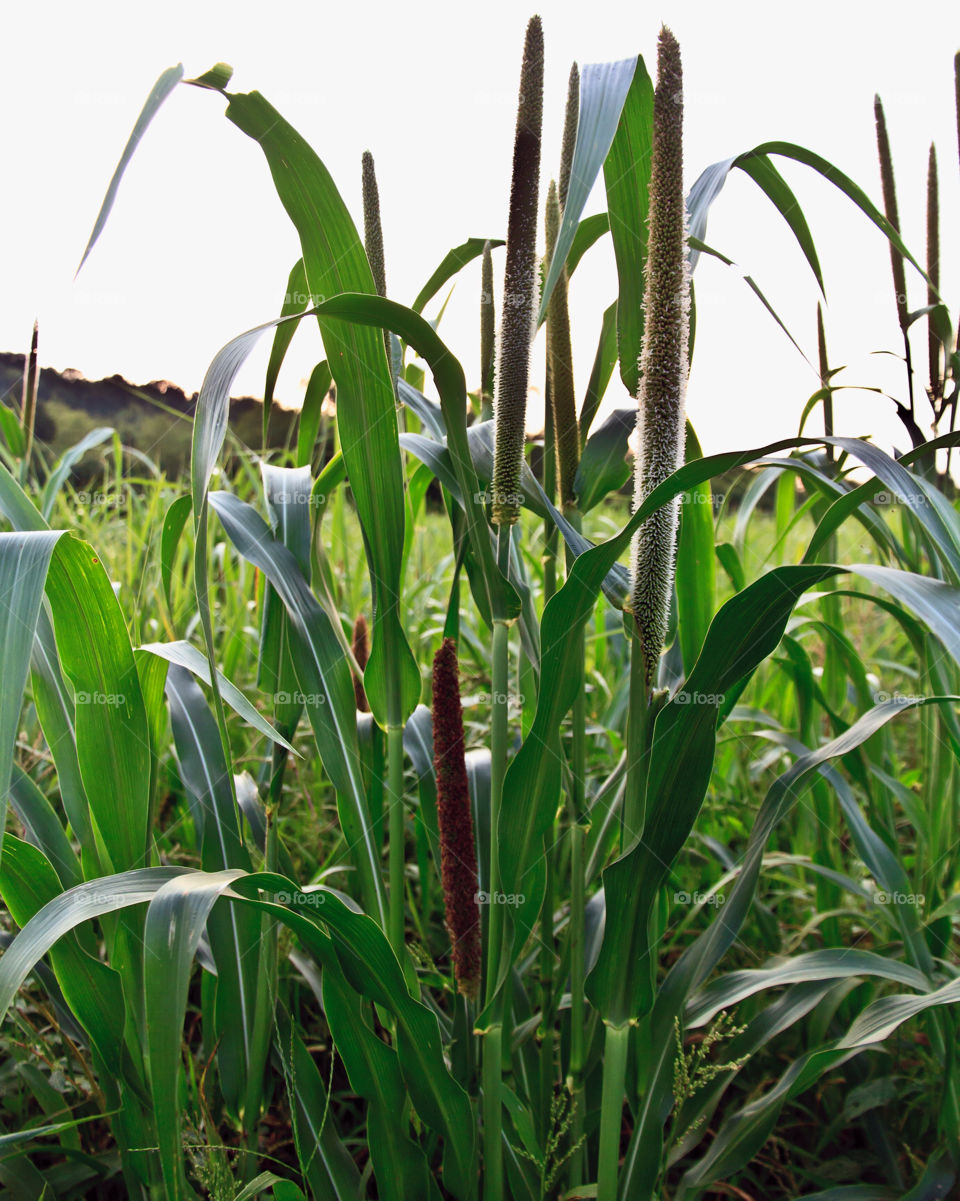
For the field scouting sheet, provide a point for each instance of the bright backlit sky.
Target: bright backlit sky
(198, 248)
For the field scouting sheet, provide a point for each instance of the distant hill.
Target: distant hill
(155, 418)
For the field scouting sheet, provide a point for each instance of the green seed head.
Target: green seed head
(569, 133)
(663, 363)
(519, 286)
(458, 855)
(566, 430)
(890, 210)
(935, 390)
(372, 231)
(487, 333)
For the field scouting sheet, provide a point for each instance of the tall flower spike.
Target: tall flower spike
(663, 362)
(373, 238)
(825, 380)
(458, 855)
(372, 231)
(566, 429)
(487, 334)
(935, 390)
(519, 286)
(890, 211)
(361, 653)
(570, 122)
(28, 410)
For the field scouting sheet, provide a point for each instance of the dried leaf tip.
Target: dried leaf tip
(661, 420)
(458, 856)
(519, 287)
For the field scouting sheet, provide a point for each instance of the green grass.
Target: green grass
(723, 958)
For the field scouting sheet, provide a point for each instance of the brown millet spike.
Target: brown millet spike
(458, 855)
(361, 652)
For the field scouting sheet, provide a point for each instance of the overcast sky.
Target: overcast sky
(198, 248)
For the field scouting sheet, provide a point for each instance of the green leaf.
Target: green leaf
(188, 656)
(176, 919)
(65, 465)
(310, 415)
(173, 523)
(324, 679)
(603, 364)
(113, 739)
(160, 91)
(324, 1160)
(604, 89)
(335, 261)
(295, 300)
(603, 466)
(453, 262)
(626, 174)
(696, 577)
(24, 563)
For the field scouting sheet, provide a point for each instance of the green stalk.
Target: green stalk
(578, 1014)
(513, 377)
(492, 1114)
(396, 848)
(638, 715)
(265, 1006)
(616, 1042)
(29, 406)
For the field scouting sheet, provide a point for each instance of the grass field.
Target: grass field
(403, 824)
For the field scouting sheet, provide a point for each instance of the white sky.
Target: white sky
(198, 248)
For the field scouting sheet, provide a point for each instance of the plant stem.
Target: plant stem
(611, 1110)
(396, 850)
(578, 1016)
(492, 1115)
(634, 800)
(493, 1037)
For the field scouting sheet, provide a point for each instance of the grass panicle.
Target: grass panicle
(570, 123)
(519, 286)
(455, 820)
(663, 364)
